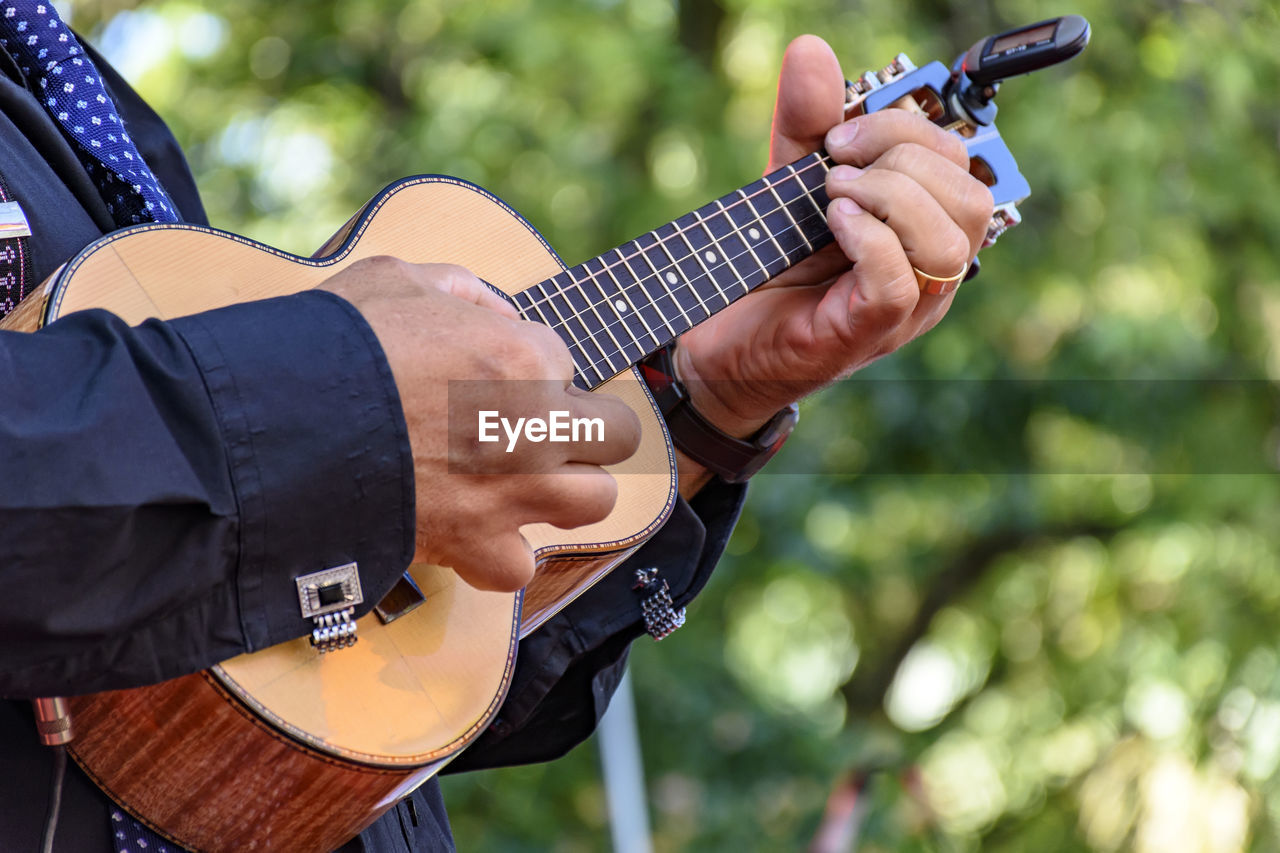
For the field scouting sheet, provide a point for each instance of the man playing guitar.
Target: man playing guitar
(217, 452)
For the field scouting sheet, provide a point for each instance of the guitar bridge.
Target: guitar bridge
(329, 598)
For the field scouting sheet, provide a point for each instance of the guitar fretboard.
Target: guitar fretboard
(614, 310)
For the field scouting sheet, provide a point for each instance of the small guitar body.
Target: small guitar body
(287, 749)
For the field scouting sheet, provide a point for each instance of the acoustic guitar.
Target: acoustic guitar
(289, 749)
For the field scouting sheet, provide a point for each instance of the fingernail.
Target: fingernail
(845, 173)
(841, 135)
(844, 207)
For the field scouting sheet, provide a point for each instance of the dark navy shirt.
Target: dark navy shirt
(161, 486)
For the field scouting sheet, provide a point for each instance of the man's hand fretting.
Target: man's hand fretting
(902, 196)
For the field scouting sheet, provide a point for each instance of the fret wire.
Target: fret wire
(752, 218)
(807, 193)
(685, 236)
(685, 283)
(533, 306)
(577, 363)
(772, 238)
(782, 204)
(588, 336)
(595, 309)
(715, 242)
(605, 353)
(626, 297)
(565, 325)
(747, 199)
(654, 301)
(785, 257)
(819, 237)
(661, 243)
(606, 356)
(662, 282)
(563, 322)
(578, 314)
(732, 254)
(593, 334)
(528, 311)
(690, 283)
(600, 376)
(690, 265)
(746, 242)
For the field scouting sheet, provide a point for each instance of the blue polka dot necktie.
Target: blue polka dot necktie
(132, 837)
(70, 88)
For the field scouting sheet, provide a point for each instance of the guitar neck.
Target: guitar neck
(618, 308)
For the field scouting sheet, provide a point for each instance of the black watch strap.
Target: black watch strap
(733, 459)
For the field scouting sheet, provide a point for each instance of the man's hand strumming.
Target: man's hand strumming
(455, 347)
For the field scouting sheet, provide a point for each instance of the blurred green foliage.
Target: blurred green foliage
(1038, 610)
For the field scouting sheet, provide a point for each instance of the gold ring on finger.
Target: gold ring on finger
(939, 285)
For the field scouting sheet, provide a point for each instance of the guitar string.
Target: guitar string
(592, 305)
(608, 354)
(687, 282)
(690, 283)
(820, 162)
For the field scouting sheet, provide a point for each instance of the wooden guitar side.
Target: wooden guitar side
(285, 749)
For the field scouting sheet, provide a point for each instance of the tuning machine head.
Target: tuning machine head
(960, 99)
(856, 89)
(901, 85)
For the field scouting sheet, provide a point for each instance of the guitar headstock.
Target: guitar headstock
(960, 99)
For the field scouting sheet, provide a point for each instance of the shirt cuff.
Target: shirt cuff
(317, 448)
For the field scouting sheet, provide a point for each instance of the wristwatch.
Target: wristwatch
(733, 459)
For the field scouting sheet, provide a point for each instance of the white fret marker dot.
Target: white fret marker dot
(710, 256)
(620, 304)
(672, 278)
(754, 233)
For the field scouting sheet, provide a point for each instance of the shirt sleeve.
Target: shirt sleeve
(161, 486)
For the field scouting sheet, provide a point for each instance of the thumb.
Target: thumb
(810, 100)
